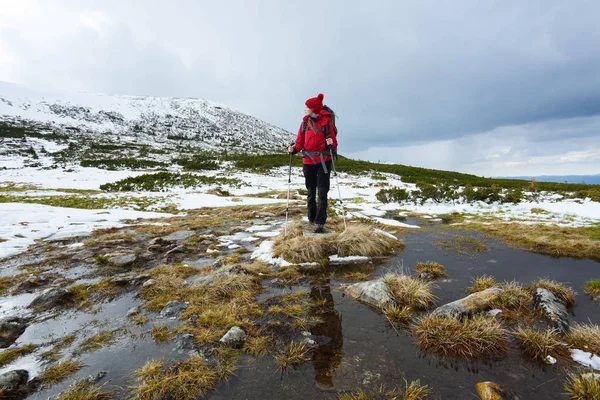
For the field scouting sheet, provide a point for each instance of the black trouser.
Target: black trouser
(317, 181)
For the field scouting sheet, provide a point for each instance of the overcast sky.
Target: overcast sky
(487, 87)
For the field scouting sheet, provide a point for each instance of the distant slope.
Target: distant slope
(149, 120)
(589, 179)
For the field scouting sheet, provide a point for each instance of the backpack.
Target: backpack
(326, 127)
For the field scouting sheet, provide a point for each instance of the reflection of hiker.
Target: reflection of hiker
(326, 357)
(315, 137)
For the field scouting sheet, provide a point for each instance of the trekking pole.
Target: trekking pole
(337, 183)
(287, 206)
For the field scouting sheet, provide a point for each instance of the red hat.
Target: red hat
(315, 103)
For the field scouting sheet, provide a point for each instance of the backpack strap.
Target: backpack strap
(304, 127)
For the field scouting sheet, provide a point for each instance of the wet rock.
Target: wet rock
(552, 307)
(133, 311)
(493, 391)
(374, 293)
(177, 250)
(425, 276)
(234, 337)
(83, 255)
(173, 309)
(158, 241)
(186, 342)
(130, 279)
(178, 236)
(62, 281)
(96, 377)
(10, 330)
(155, 248)
(206, 242)
(308, 339)
(227, 271)
(50, 298)
(597, 298)
(31, 283)
(122, 260)
(13, 381)
(471, 304)
(149, 282)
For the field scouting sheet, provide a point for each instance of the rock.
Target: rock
(122, 260)
(597, 298)
(158, 241)
(133, 311)
(50, 298)
(552, 307)
(10, 330)
(473, 303)
(226, 271)
(425, 276)
(177, 250)
(12, 381)
(83, 255)
(31, 283)
(374, 293)
(155, 248)
(130, 279)
(96, 377)
(308, 339)
(149, 282)
(173, 309)
(206, 242)
(62, 281)
(178, 236)
(186, 342)
(234, 337)
(493, 391)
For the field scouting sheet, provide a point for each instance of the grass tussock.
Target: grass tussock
(482, 283)
(585, 337)
(298, 308)
(10, 355)
(356, 240)
(565, 293)
(95, 342)
(84, 390)
(291, 356)
(160, 333)
(478, 337)
(257, 345)
(411, 391)
(538, 345)
(433, 269)
(410, 292)
(583, 386)
(546, 239)
(357, 276)
(398, 316)
(592, 288)
(185, 380)
(514, 301)
(59, 372)
(53, 354)
(465, 245)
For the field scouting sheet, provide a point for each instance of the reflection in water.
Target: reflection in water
(327, 356)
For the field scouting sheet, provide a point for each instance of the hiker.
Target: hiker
(315, 137)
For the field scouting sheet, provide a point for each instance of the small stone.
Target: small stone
(122, 260)
(177, 250)
(178, 236)
(149, 282)
(206, 242)
(10, 330)
(50, 298)
(31, 283)
(493, 391)
(133, 311)
(234, 337)
(158, 242)
(374, 293)
(83, 255)
(186, 342)
(12, 381)
(96, 377)
(173, 309)
(550, 360)
(425, 276)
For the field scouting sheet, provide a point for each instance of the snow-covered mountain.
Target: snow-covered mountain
(198, 123)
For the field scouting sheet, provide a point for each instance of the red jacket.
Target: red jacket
(311, 141)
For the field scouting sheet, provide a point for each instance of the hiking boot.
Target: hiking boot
(320, 228)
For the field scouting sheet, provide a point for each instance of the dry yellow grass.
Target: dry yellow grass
(561, 291)
(585, 337)
(59, 372)
(546, 239)
(583, 386)
(84, 390)
(410, 292)
(186, 380)
(291, 356)
(478, 337)
(482, 283)
(357, 240)
(538, 345)
(433, 269)
(514, 301)
(160, 333)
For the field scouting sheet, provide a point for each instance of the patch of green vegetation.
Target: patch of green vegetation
(116, 163)
(378, 177)
(462, 244)
(162, 181)
(583, 386)
(592, 288)
(197, 163)
(12, 131)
